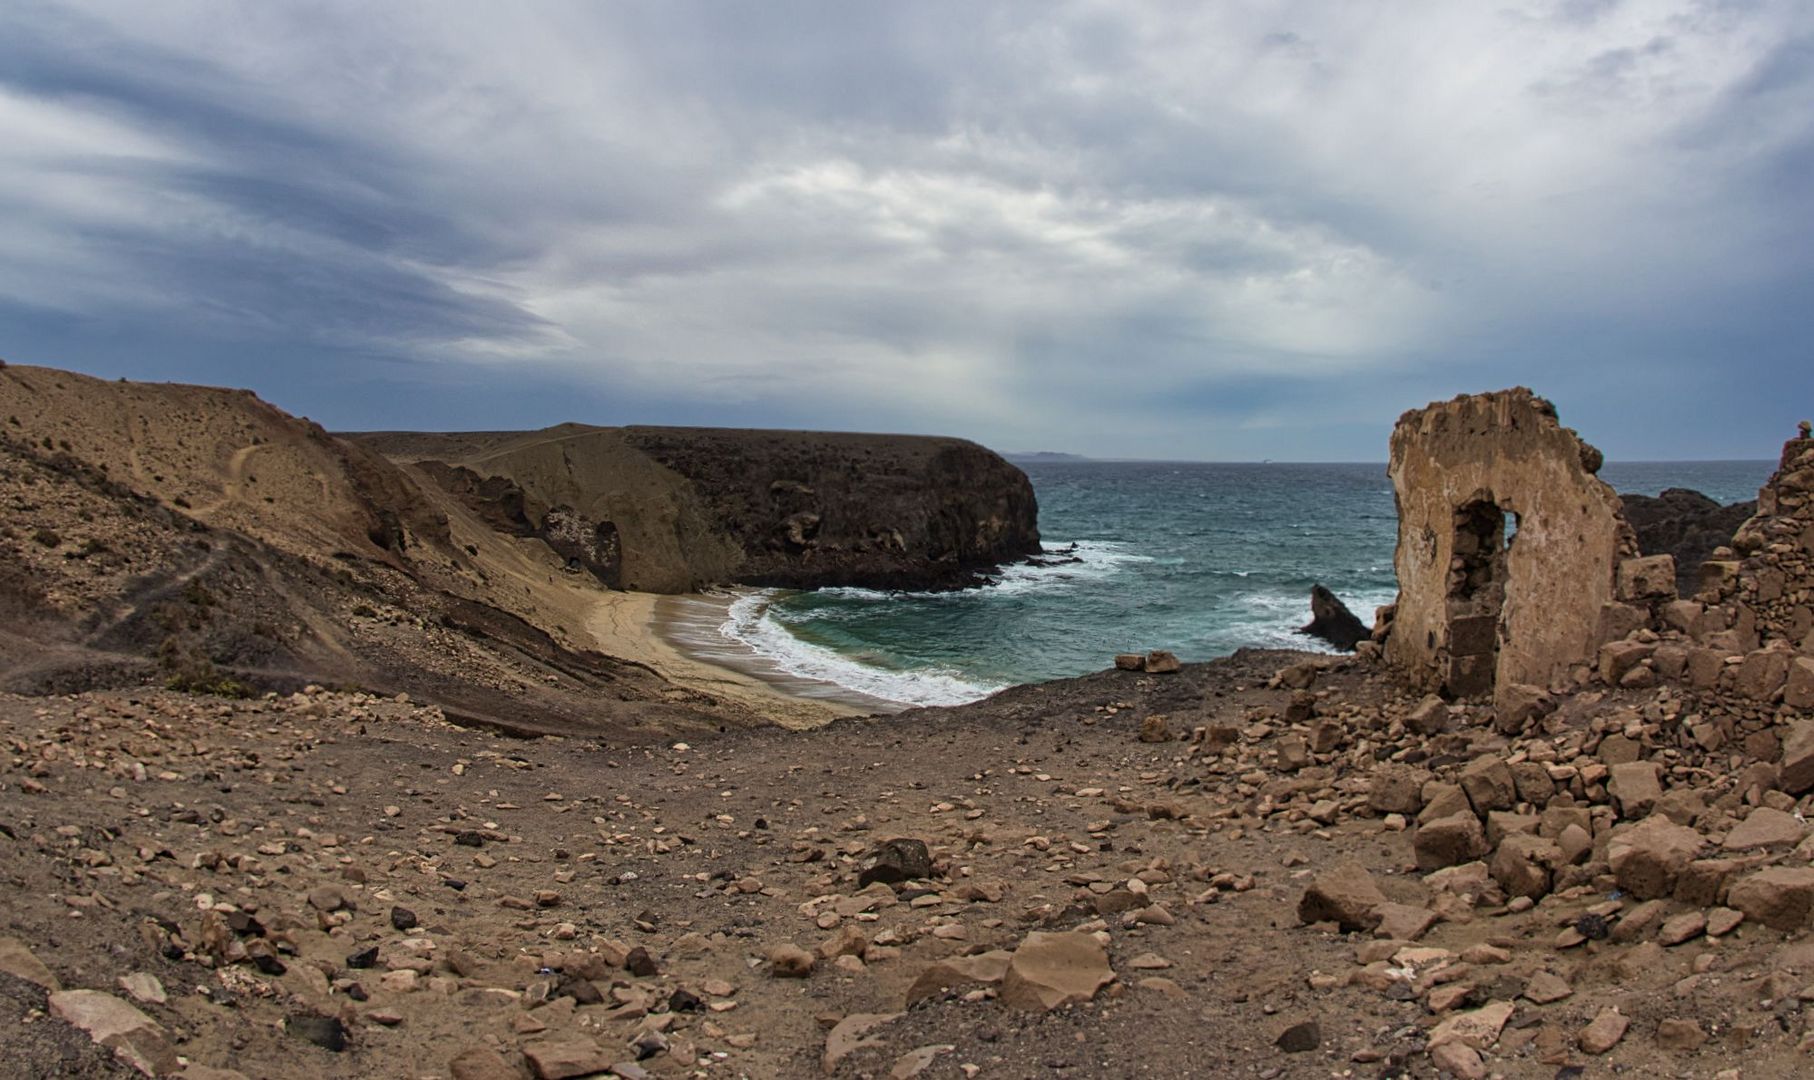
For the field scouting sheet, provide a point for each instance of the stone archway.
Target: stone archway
(1478, 611)
(1474, 609)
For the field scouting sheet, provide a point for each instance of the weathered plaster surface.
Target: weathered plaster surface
(1507, 448)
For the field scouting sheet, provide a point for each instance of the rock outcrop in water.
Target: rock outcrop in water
(1331, 621)
(674, 509)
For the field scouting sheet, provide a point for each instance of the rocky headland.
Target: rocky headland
(1582, 854)
(675, 509)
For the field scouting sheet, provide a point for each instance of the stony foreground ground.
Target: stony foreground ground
(1214, 872)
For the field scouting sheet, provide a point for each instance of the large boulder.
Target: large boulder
(1780, 897)
(134, 1037)
(1449, 841)
(895, 861)
(1331, 620)
(1345, 895)
(1798, 759)
(1053, 969)
(1648, 857)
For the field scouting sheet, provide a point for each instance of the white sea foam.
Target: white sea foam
(1097, 560)
(750, 624)
(1271, 619)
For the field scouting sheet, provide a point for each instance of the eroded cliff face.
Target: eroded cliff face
(677, 509)
(810, 509)
(1508, 544)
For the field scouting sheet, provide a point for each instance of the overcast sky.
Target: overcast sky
(1224, 231)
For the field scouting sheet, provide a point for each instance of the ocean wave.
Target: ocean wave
(1268, 619)
(749, 624)
(1097, 560)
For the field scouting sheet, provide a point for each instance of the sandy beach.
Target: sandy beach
(678, 637)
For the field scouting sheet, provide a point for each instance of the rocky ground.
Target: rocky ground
(1269, 866)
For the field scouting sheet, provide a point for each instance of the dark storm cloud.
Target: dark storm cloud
(1121, 228)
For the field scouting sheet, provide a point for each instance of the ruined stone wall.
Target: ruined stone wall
(1473, 612)
(1773, 574)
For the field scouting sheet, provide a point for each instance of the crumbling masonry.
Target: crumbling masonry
(1508, 545)
(1519, 577)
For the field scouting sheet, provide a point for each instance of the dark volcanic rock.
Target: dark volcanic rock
(812, 509)
(675, 509)
(1685, 524)
(895, 861)
(1331, 620)
(326, 1032)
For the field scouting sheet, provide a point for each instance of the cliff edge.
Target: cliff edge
(673, 509)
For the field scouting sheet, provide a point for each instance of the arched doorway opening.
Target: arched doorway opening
(1476, 597)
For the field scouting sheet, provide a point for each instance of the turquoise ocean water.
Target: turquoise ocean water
(1198, 558)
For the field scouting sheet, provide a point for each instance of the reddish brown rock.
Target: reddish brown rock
(1647, 579)
(1396, 789)
(1605, 1031)
(1489, 784)
(960, 971)
(1636, 788)
(1523, 863)
(1797, 774)
(1780, 897)
(134, 1037)
(1647, 857)
(1798, 688)
(480, 1063)
(1680, 1035)
(1053, 969)
(1763, 674)
(1346, 895)
(561, 1059)
(1765, 827)
(1449, 841)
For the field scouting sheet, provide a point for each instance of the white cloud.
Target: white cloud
(928, 215)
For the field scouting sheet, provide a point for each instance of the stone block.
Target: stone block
(1718, 578)
(1501, 824)
(1517, 707)
(1617, 621)
(1681, 615)
(1449, 841)
(1469, 676)
(1702, 883)
(1797, 772)
(1534, 783)
(1473, 635)
(1712, 619)
(1780, 897)
(1636, 788)
(1798, 687)
(1522, 865)
(1647, 858)
(1670, 661)
(1651, 577)
(1431, 717)
(1396, 789)
(1489, 784)
(1345, 895)
(1763, 828)
(1705, 666)
(1763, 674)
(1440, 799)
(1618, 657)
